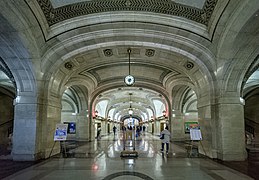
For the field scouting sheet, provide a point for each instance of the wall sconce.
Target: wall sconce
(164, 113)
(96, 113)
(130, 108)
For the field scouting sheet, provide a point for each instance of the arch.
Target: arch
(240, 59)
(19, 51)
(118, 85)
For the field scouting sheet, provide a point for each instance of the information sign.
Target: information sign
(60, 132)
(195, 134)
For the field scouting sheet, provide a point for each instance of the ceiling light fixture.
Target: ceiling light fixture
(130, 109)
(129, 79)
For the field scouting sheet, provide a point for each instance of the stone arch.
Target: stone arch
(54, 90)
(205, 67)
(235, 47)
(80, 117)
(247, 86)
(91, 40)
(7, 96)
(234, 56)
(118, 85)
(62, 49)
(19, 51)
(179, 92)
(250, 91)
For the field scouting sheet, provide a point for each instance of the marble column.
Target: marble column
(177, 126)
(223, 130)
(25, 147)
(206, 119)
(157, 128)
(82, 127)
(231, 130)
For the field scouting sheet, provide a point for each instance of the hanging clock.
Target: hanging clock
(129, 80)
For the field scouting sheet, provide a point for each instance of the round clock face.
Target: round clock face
(129, 80)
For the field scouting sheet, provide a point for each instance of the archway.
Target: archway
(149, 108)
(7, 96)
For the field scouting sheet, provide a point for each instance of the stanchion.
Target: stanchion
(52, 149)
(65, 149)
(129, 153)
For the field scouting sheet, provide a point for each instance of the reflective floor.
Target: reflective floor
(101, 160)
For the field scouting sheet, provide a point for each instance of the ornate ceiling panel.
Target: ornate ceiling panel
(197, 3)
(60, 12)
(59, 3)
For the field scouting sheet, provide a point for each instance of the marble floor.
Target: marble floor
(101, 159)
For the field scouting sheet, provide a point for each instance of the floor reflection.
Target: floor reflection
(101, 160)
(146, 145)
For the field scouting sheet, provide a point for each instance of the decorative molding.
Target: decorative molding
(108, 52)
(68, 65)
(188, 65)
(150, 52)
(56, 15)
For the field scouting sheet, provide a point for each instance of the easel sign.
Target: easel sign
(60, 132)
(60, 135)
(195, 134)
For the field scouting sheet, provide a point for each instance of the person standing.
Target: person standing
(114, 130)
(138, 131)
(165, 138)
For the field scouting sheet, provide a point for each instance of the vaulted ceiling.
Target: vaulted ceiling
(88, 39)
(86, 42)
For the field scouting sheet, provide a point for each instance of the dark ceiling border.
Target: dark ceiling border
(56, 15)
(48, 11)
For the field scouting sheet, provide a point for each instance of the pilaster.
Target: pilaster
(26, 135)
(82, 127)
(231, 130)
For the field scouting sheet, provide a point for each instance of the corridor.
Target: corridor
(101, 160)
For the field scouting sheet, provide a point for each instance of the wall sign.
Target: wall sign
(60, 132)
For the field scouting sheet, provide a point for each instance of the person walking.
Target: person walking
(98, 133)
(165, 138)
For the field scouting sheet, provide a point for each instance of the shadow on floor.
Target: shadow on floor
(9, 167)
(249, 168)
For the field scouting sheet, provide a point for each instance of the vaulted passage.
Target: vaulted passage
(80, 71)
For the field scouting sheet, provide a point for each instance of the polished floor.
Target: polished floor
(101, 159)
